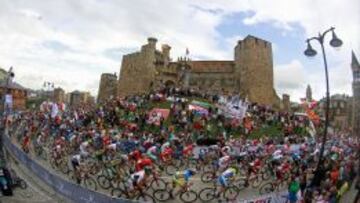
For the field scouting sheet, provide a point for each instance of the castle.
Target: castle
(250, 74)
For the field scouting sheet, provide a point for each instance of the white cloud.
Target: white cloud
(290, 79)
(90, 27)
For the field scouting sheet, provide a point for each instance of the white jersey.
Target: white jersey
(112, 146)
(138, 176)
(224, 160)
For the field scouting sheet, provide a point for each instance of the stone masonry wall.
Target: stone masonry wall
(138, 70)
(254, 68)
(107, 87)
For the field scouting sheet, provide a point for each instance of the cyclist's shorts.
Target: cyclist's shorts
(222, 181)
(179, 182)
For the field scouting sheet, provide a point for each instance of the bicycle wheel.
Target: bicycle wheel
(266, 175)
(207, 194)
(22, 184)
(267, 188)
(64, 168)
(207, 177)
(188, 196)
(256, 182)
(171, 169)
(158, 184)
(161, 195)
(122, 185)
(117, 193)
(231, 193)
(240, 184)
(145, 198)
(90, 183)
(104, 182)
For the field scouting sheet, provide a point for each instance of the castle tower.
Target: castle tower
(286, 105)
(59, 95)
(355, 66)
(254, 70)
(308, 94)
(138, 70)
(107, 87)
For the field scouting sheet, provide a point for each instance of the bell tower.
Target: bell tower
(355, 67)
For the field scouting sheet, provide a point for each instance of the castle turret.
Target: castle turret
(308, 94)
(254, 70)
(165, 49)
(152, 42)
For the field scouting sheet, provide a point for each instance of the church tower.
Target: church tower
(308, 94)
(355, 66)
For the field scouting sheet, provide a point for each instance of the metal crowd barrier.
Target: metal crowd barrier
(69, 190)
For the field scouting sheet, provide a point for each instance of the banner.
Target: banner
(156, 114)
(198, 109)
(202, 104)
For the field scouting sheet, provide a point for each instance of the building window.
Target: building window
(342, 105)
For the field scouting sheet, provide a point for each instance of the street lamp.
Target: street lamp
(310, 52)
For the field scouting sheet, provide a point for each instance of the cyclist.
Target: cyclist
(225, 177)
(76, 162)
(138, 179)
(181, 179)
(152, 152)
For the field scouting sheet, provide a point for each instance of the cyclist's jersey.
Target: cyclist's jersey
(136, 155)
(138, 176)
(186, 175)
(83, 147)
(152, 150)
(188, 150)
(111, 146)
(165, 146)
(76, 158)
(224, 160)
(228, 173)
(142, 163)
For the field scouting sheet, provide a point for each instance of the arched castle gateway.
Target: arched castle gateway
(250, 73)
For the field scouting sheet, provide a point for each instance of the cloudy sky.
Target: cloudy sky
(72, 42)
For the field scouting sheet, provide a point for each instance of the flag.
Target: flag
(54, 110)
(187, 51)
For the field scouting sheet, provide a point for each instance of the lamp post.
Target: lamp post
(310, 52)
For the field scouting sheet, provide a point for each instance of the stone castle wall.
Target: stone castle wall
(138, 70)
(254, 69)
(108, 87)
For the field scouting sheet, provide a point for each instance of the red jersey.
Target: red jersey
(142, 163)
